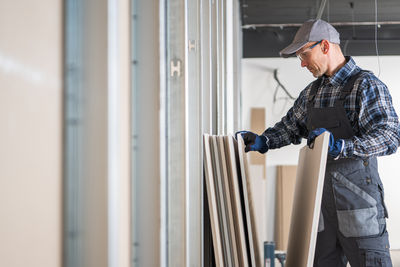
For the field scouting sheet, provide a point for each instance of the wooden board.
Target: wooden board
(285, 184)
(232, 167)
(228, 200)
(307, 203)
(255, 254)
(221, 202)
(212, 202)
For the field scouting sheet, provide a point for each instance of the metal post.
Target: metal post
(194, 155)
(176, 96)
(145, 63)
(72, 173)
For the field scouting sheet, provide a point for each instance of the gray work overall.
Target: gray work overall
(352, 221)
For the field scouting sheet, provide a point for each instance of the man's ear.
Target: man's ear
(325, 46)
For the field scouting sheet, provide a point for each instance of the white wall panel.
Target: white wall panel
(30, 139)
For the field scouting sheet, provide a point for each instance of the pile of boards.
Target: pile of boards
(232, 216)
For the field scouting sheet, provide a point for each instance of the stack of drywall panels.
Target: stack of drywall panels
(230, 202)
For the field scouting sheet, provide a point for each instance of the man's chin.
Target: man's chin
(316, 74)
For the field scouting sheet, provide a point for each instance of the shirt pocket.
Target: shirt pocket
(357, 211)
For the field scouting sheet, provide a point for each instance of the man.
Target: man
(356, 108)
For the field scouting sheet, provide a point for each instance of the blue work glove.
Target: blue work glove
(335, 146)
(253, 142)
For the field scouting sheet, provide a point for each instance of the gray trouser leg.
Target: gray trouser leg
(354, 217)
(328, 251)
(367, 251)
(333, 250)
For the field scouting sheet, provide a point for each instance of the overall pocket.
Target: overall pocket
(357, 211)
(375, 251)
(380, 186)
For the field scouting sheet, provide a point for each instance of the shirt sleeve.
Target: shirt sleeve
(379, 132)
(292, 127)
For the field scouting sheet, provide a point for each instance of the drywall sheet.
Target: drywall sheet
(307, 203)
(228, 200)
(212, 202)
(255, 253)
(285, 184)
(232, 166)
(221, 202)
(32, 99)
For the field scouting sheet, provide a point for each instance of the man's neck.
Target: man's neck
(337, 62)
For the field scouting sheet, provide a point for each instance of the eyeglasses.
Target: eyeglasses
(303, 55)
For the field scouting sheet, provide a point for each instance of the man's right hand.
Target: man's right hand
(253, 142)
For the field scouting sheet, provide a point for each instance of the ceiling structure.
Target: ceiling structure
(270, 25)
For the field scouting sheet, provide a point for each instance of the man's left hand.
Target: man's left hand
(253, 142)
(335, 146)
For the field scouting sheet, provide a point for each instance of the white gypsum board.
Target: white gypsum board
(307, 203)
(212, 203)
(250, 217)
(228, 200)
(236, 202)
(250, 258)
(221, 201)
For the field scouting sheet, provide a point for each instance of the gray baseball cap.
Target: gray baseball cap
(311, 31)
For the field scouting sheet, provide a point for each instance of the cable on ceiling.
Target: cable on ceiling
(321, 9)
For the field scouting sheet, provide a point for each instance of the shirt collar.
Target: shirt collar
(343, 73)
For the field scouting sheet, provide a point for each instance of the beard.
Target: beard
(315, 72)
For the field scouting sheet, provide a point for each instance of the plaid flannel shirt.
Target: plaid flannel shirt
(369, 108)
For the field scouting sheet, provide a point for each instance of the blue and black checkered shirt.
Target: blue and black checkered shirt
(369, 108)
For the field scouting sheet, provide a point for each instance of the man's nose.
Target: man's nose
(303, 64)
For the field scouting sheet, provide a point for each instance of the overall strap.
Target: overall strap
(313, 92)
(348, 87)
